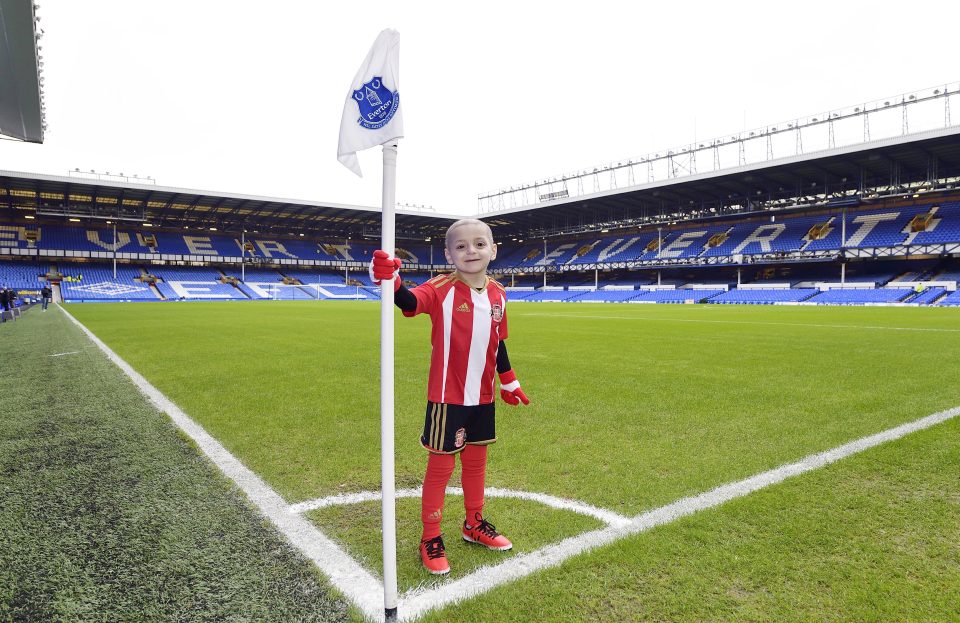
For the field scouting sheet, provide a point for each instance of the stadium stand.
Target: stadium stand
(951, 299)
(676, 296)
(548, 295)
(870, 228)
(928, 296)
(700, 259)
(860, 296)
(947, 275)
(764, 296)
(95, 282)
(606, 296)
(681, 244)
(20, 276)
(201, 283)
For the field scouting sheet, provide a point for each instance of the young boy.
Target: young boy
(469, 315)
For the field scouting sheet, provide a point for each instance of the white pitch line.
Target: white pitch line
(749, 322)
(73, 352)
(487, 578)
(608, 517)
(351, 579)
(343, 499)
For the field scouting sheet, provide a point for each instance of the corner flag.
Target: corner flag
(371, 113)
(371, 117)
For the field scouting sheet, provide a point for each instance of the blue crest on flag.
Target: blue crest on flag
(377, 103)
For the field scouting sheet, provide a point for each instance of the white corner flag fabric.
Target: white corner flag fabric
(371, 113)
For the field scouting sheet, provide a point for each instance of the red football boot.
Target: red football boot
(434, 556)
(486, 534)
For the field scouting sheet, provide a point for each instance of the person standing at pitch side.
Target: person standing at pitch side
(469, 315)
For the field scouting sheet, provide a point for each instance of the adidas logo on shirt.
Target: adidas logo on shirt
(464, 308)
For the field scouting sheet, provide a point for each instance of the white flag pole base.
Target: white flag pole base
(387, 475)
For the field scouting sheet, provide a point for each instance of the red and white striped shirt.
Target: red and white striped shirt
(467, 328)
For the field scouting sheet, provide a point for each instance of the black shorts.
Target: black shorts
(448, 428)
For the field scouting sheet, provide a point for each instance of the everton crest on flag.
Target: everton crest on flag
(371, 113)
(377, 104)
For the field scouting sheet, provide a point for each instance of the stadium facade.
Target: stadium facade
(871, 223)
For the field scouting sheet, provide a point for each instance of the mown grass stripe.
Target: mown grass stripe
(107, 513)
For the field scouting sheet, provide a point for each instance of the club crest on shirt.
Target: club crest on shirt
(496, 312)
(460, 437)
(377, 103)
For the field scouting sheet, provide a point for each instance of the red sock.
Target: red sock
(473, 461)
(439, 469)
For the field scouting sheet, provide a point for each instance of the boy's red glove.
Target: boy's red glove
(382, 267)
(510, 389)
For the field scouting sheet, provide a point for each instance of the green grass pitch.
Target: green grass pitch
(634, 406)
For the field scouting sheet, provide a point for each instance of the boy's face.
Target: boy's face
(471, 250)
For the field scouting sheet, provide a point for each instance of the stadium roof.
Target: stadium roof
(21, 104)
(78, 197)
(849, 175)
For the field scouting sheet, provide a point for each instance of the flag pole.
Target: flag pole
(387, 475)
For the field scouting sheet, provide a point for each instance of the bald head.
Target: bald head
(467, 221)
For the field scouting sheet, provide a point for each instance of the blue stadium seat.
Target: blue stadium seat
(847, 296)
(765, 296)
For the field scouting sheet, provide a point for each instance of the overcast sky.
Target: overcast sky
(246, 97)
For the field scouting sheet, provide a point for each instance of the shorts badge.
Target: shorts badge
(460, 437)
